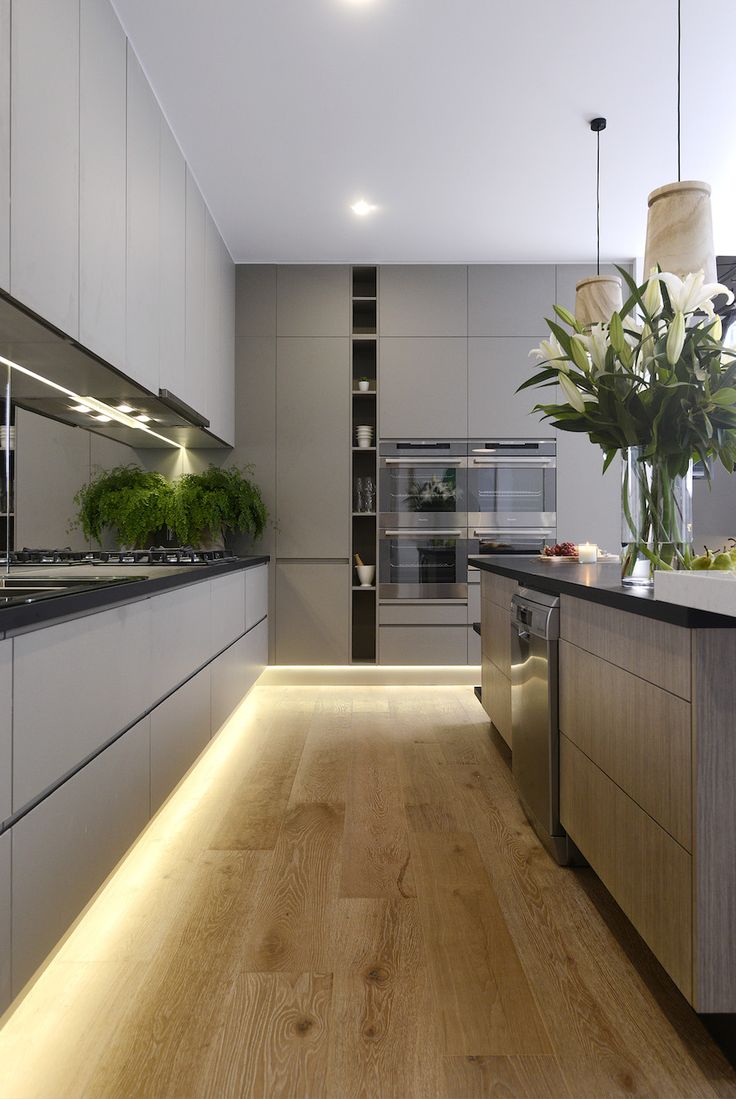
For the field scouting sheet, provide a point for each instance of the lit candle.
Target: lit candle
(587, 553)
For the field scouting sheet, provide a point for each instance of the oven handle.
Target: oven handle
(537, 532)
(539, 463)
(439, 461)
(457, 533)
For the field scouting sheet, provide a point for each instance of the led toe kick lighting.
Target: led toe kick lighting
(98, 410)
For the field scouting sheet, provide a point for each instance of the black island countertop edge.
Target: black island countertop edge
(598, 584)
(65, 606)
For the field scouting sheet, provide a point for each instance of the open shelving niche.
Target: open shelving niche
(7, 499)
(364, 410)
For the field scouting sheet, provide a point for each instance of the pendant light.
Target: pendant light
(679, 222)
(597, 298)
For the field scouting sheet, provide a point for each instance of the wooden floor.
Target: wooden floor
(343, 899)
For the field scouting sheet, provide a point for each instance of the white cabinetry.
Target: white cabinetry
(219, 332)
(256, 595)
(172, 267)
(5, 144)
(44, 231)
(6, 727)
(102, 126)
(5, 921)
(180, 729)
(142, 228)
(195, 380)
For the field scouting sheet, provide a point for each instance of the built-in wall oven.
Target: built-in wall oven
(423, 551)
(512, 493)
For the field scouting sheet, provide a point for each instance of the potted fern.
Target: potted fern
(131, 501)
(205, 506)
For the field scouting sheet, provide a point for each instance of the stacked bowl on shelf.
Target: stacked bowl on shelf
(364, 436)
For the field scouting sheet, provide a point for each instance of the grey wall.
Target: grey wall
(714, 510)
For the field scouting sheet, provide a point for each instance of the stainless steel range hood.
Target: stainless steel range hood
(35, 345)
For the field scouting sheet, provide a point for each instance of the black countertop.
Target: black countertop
(598, 584)
(66, 605)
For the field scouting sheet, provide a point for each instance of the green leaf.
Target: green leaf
(616, 332)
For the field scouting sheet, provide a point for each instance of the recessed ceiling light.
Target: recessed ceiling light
(80, 408)
(362, 208)
(102, 419)
(125, 408)
(143, 419)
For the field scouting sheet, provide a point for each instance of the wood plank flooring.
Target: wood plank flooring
(343, 900)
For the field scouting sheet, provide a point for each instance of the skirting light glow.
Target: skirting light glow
(90, 404)
(363, 208)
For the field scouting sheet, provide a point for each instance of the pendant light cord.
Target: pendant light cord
(598, 203)
(679, 86)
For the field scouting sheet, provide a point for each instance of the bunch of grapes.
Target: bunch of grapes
(562, 549)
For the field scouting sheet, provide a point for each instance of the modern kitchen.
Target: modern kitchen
(367, 550)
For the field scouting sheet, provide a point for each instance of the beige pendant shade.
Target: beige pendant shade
(680, 230)
(597, 299)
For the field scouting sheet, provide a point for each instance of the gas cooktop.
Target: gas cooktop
(155, 555)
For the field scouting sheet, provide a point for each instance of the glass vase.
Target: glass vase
(656, 517)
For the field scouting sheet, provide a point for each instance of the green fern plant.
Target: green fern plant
(132, 501)
(209, 504)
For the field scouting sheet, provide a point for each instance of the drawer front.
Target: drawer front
(498, 589)
(424, 614)
(423, 645)
(256, 595)
(645, 870)
(496, 634)
(604, 709)
(655, 651)
(496, 696)
(473, 603)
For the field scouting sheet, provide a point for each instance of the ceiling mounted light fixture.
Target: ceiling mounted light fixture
(597, 298)
(679, 221)
(362, 208)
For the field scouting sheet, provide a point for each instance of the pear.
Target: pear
(700, 564)
(722, 561)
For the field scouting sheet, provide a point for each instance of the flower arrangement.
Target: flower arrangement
(658, 383)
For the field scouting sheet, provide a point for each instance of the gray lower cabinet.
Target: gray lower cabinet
(44, 162)
(5, 922)
(5, 144)
(312, 612)
(180, 729)
(312, 439)
(423, 300)
(474, 647)
(506, 299)
(6, 728)
(313, 300)
(65, 847)
(496, 368)
(423, 644)
(102, 137)
(423, 388)
(235, 672)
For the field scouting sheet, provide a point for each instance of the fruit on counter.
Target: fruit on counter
(562, 549)
(721, 560)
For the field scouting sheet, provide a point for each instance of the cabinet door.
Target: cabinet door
(416, 645)
(180, 729)
(195, 366)
(313, 445)
(184, 614)
(6, 728)
(142, 228)
(313, 300)
(5, 144)
(172, 266)
(228, 609)
(496, 368)
(423, 389)
(235, 672)
(102, 238)
(312, 612)
(588, 501)
(256, 595)
(5, 922)
(507, 299)
(64, 848)
(44, 232)
(219, 332)
(423, 300)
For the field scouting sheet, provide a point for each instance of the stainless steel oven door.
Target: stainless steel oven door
(506, 492)
(494, 542)
(423, 565)
(421, 486)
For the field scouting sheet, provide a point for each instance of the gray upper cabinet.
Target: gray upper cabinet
(195, 373)
(423, 388)
(256, 300)
(313, 447)
(496, 367)
(5, 144)
(510, 299)
(570, 274)
(313, 300)
(44, 244)
(102, 125)
(423, 300)
(588, 501)
(142, 228)
(172, 267)
(312, 612)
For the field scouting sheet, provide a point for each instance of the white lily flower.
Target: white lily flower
(675, 339)
(692, 293)
(653, 295)
(550, 353)
(596, 344)
(573, 394)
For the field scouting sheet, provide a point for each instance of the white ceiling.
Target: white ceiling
(464, 120)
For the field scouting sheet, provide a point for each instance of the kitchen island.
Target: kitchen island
(107, 696)
(647, 755)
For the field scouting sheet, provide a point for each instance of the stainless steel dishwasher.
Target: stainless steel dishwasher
(535, 631)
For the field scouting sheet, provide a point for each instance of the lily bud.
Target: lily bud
(616, 330)
(716, 332)
(579, 355)
(653, 296)
(675, 339)
(572, 393)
